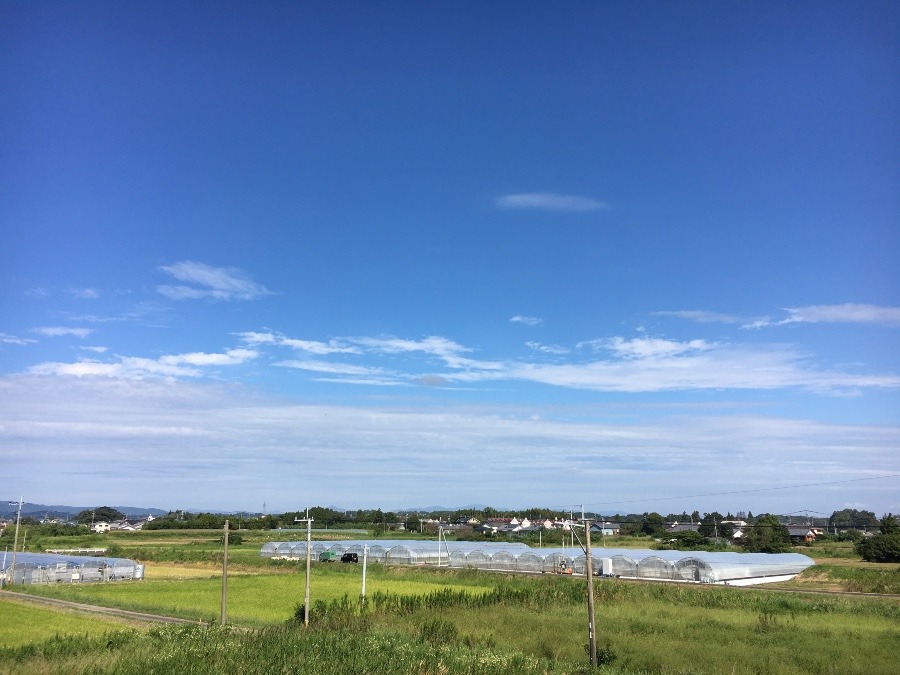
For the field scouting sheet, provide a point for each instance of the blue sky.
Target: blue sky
(641, 257)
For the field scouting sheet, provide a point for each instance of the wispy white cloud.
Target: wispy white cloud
(611, 364)
(253, 338)
(335, 346)
(13, 340)
(333, 368)
(527, 320)
(702, 316)
(615, 364)
(84, 293)
(548, 201)
(97, 349)
(230, 358)
(444, 349)
(637, 367)
(133, 367)
(320, 348)
(547, 349)
(647, 347)
(206, 281)
(846, 313)
(60, 331)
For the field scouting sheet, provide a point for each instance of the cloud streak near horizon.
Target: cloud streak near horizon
(236, 441)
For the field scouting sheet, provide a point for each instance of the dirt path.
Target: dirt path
(95, 609)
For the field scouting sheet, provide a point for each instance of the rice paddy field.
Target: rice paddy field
(418, 620)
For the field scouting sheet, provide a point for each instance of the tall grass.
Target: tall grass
(283, 649)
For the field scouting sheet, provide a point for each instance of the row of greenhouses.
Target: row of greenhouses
(693, 566)
(53, 568)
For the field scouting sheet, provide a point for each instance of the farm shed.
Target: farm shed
(54, 568)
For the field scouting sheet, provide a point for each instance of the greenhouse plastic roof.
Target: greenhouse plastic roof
(700, 566)
(47, 559)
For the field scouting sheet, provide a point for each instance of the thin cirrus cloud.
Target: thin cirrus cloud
(616, 364)
(844, 313)
(702, 316)
(206, 281)
(84, 293)
(187, 365)
(641, 365)
(549, 201)
(333, 368)
(451, 354)
(317, 347)
(547, 349)
(61, 331)
(527, 320)
(14, 340)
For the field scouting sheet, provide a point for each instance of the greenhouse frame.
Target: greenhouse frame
(719, 567)
(55, 568)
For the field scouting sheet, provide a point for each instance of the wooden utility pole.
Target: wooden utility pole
(223, 613)
(589, 572)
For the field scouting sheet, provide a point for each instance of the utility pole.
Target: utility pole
(308, 521)
(222, 613)
(362, 593)
(12, 574)
(589, 572)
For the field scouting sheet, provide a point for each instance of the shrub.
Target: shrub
(880, 548)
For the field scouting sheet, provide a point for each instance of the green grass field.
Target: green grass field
(256, 599)
(421, 620)
(24, 623)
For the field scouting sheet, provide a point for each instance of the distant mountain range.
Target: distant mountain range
(62, 512)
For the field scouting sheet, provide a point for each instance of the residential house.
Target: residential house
(803, 533)
(607, 529)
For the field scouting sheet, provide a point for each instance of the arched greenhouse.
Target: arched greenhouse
(56, 568)
(681, 566)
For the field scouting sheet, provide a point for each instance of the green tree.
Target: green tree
(99, 515)
(709, 524)
(884, 548)
(653, 525)
(852, 518)
(889, 524)
(325, 517)
(768, 535)
(687, 540)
